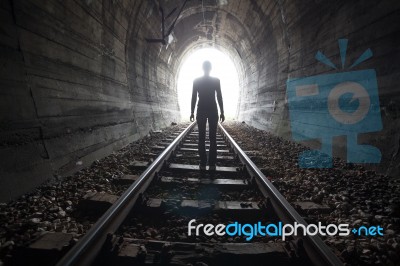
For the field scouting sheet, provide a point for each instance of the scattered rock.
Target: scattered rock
(35, 220)
(389, 232)
(61, 213)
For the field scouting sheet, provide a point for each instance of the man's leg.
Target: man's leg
(201, 124)
(212, 133)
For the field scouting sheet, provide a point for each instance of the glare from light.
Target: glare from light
(222, 68)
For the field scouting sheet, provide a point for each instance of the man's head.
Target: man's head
(206, 67)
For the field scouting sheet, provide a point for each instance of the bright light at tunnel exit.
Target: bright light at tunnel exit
(222, 68)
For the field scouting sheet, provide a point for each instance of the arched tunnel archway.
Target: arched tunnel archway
(79, 80)
(251, 43)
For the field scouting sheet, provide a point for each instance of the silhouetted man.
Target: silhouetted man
(206, 87)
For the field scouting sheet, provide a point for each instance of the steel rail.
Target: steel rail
(84, 252)
(318, 252)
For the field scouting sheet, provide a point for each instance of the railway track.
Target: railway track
(162, 217)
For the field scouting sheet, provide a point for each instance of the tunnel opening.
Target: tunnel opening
(222, 67)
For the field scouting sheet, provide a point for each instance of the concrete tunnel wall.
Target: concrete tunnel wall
(79, 81)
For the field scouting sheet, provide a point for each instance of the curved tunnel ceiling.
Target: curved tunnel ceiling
(242, 29)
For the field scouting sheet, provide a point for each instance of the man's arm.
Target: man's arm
(219, 98)
(194, 100)
(220, 102)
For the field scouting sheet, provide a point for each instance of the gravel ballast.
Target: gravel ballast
(53, 207)
(355, 195)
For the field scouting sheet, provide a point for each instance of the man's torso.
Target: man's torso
(206, 88)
